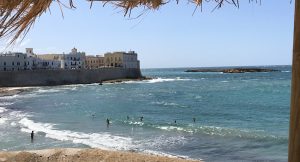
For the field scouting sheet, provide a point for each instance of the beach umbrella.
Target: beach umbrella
(17, 16)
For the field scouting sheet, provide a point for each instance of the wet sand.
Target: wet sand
(83, 155)
(5, 91)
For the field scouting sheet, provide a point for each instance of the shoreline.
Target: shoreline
(82, 154)
(10, 91)
(126, 80)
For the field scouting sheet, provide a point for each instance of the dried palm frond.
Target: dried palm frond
(18, 16)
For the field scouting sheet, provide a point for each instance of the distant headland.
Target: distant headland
(233, 70)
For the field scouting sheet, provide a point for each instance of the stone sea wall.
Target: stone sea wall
(61, 77)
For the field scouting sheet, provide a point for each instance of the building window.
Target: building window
(4, 69)
(13, 63)
(4, 63)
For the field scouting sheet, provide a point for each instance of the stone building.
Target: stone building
(122, 59)
(32, 59)
(73, 60)
(48, 61)
(13, 61)
(94, 62)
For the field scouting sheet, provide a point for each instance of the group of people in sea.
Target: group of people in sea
(108, 123)
(128, 118)
(141, 119)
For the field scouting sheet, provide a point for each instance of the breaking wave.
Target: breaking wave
(104, 140)
(2, 109)
(159, 80)
(222, 131)
(168, 104)
(94, 140)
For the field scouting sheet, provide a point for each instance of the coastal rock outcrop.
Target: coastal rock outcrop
(233, 70)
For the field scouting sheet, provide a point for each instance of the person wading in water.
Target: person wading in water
(32, 135)
(107, 122)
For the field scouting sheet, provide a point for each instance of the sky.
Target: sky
(172, 36)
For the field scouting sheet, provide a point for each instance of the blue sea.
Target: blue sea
(238, 117)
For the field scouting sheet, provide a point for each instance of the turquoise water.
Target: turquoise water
(238, 116)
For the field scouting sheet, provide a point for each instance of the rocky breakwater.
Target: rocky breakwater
(233, 70)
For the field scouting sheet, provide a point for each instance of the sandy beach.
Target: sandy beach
(83, 155)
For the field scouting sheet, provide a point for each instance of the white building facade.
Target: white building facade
(13, 61)
(73, 60)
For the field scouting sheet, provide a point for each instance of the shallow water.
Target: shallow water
(238, 116)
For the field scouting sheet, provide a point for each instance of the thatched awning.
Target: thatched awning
(18, 16)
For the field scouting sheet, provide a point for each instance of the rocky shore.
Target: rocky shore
(83, 155)
(125, 80)
(11, 91)
(233, 70)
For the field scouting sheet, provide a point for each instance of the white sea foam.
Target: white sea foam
(136, 123)
(174, 128)
(8, 116)
(222, 131)
(225, 81)
(2, 109)
(165, 103)
(159, 80)
(163, 140)
(151, 152)
(47, 91)
(6, 103)
(81, 85)
(198, 97)
(19, 88)
(2, 120)
(168, 104)
(9, 97)
(13, 124)
(102, 140)
(286, 71)
(94, 140)
(18, 114)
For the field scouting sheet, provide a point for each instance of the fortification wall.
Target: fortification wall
(61, 77)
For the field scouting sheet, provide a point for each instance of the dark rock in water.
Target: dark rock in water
(128, 79)
(233, 70)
